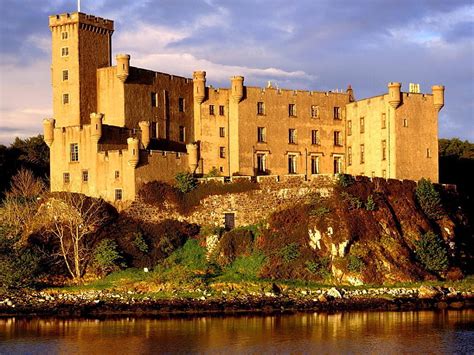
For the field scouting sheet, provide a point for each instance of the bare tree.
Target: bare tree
(25, 185)
(73, 220)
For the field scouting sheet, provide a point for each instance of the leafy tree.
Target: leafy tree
(185, 182)
(431, 252)
(429, 199)
(107, 257)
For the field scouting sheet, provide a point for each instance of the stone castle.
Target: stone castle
(116, 127)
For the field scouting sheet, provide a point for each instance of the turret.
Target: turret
(96, 126)
(199, 83)
(394, 96)
(48, 131)
(123, 66)
(193, 159)
(145, 128)
(133, 151)
(438, 96)
(237, 88)
(350, 92)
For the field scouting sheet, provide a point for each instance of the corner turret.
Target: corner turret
(199, 83)
(133, 151)
(145, 128)
(123, 66)
(438, 96)
(193, 159)
(48, 131)
(394, 94)
(96, 126)
(237, 88)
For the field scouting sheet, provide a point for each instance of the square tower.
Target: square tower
(80, 45)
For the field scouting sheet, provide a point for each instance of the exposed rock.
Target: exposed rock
(333, 292)
(428, 292)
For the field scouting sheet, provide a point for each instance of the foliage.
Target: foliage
(207, 231)
(234, 243)
(429, 199)
(319, 267)
(140, 243)
(185, 182)
(318, 206)
(455, 147)
(431, 252)
(213, 173)
(345, 180)
(354, 263)
(352, 201)
(244, 268)
(107, 257)
(290, 252)
(370, 205)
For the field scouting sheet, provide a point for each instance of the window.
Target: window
(260, 108)
(65, 75)
(181, 104)
(337, 138)
(337, 165)
(383, 121)
(337, 113)
(261, 163)
(117, 174)
(65, 99)
(221, 110)
(314, 111)
(428, 152)
(221, 132)
(182, 134)
(349, 127)
(74, 151)
(315, 164)
(261, 135)
(118, 194)
(315, 137)
(154, 130)
(362, 125)
(291, 164)
(211, 110)
(292, 136)
(229, 221)
(349, 156)
(222, 152)
(154, 99)
(384, 174)
(384, 149)
(85, 175)
(64, 35)
(292, 110)
(64, 52)
(362, 154)
(405, 122)
(66, 178)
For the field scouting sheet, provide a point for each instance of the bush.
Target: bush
(352, 201)
(234, 243)
(431, 252)
(345, 180)
(355, 264)
(245, 268)
(290, 252)
(107, 257)
(140, 243)
(429, 199)
(319, 267)
(370, 205)
(185, 182)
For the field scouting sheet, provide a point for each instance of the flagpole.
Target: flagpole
(78, 5)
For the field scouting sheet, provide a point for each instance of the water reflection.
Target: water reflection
(373, 332)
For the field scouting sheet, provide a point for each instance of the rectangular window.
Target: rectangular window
(181, 104)
(117, 174)
(292, 136)
(65, 99)
(64, 35)
(349, 127)
(221, 132)
(337, 165)
(261, 163)
(383, 121)
(118, 194)
(154, 99)
(315, 164)
(405, 122)
(315, 137)
(362, 154)
(182, 134)
(211, 110)
(428, 152)
(85, 175)
(65, 75)
(261, 135)
(66, 178)
(349, 156)
(314, 111)
(221, 110)
(337, 138)
(337, 113)
(384, 149)
(384, 174)
(229, 221)
(64, 52)
(291, 164)
(74, 151)
(260, 108)
(222, 152)
(362, 125)
(292, 110)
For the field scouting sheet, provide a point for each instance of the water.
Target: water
(355, 332)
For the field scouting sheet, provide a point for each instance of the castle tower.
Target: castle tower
(80, 45)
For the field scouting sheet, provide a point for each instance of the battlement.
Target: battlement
(83, 19)
(294, 92)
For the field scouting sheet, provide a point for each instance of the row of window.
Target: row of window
(383, 155)
(262, 167)
(85, 176)
(292, 136)
(383, 124)
(154, 102)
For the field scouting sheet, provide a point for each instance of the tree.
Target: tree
(73, 220)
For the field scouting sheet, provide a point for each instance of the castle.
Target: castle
(116, 127)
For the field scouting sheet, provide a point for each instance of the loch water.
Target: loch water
(418, 332)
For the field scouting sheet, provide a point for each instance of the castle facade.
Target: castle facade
(116, 127)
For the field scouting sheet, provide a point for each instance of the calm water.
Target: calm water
(355, 332)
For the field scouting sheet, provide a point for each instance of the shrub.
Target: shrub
(319, 267)
(345, 180)
(355, 264)
(290, 252)
(352, 201)
(429, 199)
(140, 243)
(213, 173)
(234, 243)
(191, 255)
(431, 252)
(245, 267)
(157, 192)
(185, 182)
(370, 205)
(107, 257)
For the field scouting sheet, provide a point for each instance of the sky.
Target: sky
(301, 44)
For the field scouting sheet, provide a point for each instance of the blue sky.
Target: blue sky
(301, 44)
